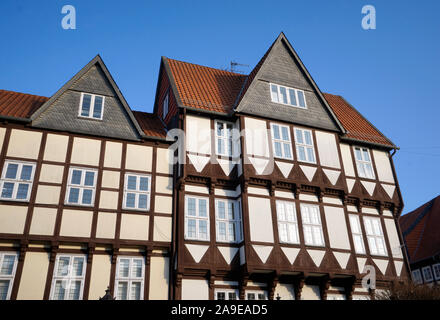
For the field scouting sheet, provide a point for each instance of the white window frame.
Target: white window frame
(130, 279)
(356, 230)
(436, 271)
(374, 237)
(81, 186)
(417, 276)
(69, 277)
(8, 277)
(165, 106)
(236, 222)
(427, 274)
(281, 141)
(226, 292)
(197, 218)
(289, 103)
(314, 227)
(281, 204)
(17, 181)
(364, 163)
(257, 293)
(137, 192)
(305, 145)
(225, 139)
(92, 106)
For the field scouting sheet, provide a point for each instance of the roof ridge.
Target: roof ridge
(203, 66)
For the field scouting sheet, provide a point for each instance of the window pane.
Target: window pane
(85, 109)
(63, 266)
(191, 228)
(232, 236)
(261, 296)
(281, 211)
(222, 231)
(137, 268)
(287, 153)
(220, 146)
(310, 155)
(290, 212)
(366, 156)
(299, 136)
(202, 208)
(7, 265)
(372, 244)
(122, 290)
(283, 95)
(131, 182)
(274, 92)
(135, 291)
(221, 210)
(8, 188)
(292, 97)
(4, 287)
(76, 177)
(78, 264)
(203, 229)
(285, 133)
(75, 288)
(308, 234)
(124, 265)
(11, 171)
(143, 201)
(60, 289)
(276, 131)
(357, 152)
(89, 179)
(220, 131)
(361, 170)
(301, 99)
(97, 110)
(232, 296)
(191, 207)
(368, 170)
(308, 137)
(87, 196)
(26, 172)
(251, 296)
(143, 184)
(231, 213)
(301, 153)
(221, 296)
(22, 191)
(283, 232)
(292, 233)
(130, 200)
(278, 152)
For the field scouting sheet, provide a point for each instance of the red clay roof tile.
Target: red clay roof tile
(150, 124)
(19, 105)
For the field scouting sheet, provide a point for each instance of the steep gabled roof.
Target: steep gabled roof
(19, 105)
(420, 231)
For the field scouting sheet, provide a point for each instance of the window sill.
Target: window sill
(90, 118)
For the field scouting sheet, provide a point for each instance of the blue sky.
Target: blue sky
(389, 74)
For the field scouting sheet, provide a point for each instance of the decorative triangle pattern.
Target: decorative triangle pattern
(342, 258)
(381, 264)
(197, 251)
(259, 164)
(369, 186)
(226, 165)
(262, 251)
(291, 254)
(332, 175)
(285, 168)
(228, 253)
(350, 184)
(317, 256)
(361, 264)
(399, 266)
(309, 172)
(199, 162)
(389, 189)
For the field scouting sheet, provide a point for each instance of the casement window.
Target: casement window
(363, 163)
(16, 180)
(417, 276)
(129, 282)
(311, 220)
(228, 221)
(427, 274)
(282, 147)
(81, 186)
(436, 269)
(286, 95)
(256, 295)
(224, 142)
(91, 106)
(287, 222)
(137, 192)
(196, 218)
(68, 277)
(226, 294)
(304, 145)
(357, 234)
(165, 106)
(8, 266)
(375, 237)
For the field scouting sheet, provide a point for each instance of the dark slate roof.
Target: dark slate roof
(420, 231)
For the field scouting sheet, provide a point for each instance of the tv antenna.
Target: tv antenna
(235, 64)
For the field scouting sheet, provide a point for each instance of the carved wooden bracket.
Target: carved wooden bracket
(178, 281)
(299, 284)
(325, 285)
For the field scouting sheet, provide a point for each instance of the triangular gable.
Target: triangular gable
(133, 131)
(248, 103)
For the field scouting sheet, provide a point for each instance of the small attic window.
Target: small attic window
(91, 106)
(165, 107)
(289, 96)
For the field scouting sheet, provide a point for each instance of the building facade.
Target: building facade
(235, 187)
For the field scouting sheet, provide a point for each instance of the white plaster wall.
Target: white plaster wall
(347, 160)
(337, 228)
(310, 292)
(24, 144)
(327, 149)
(198, 134)
(33, 278)
(256, 135)
(159, 278)
(56, 147)
(286, 291)
(260, 219)
(100, 277)
(383, 166)
(393, 237)
(193, 289)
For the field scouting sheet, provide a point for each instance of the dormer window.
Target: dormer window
(91, 106)
(286, 95)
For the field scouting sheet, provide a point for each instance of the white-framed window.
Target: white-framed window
(81, 186)
(228, 220)
(68, 277)
(256, 295)
(356, 231)
(8, 266)
(129, 282)
(91, 106)
(436, 270)
(165, 106)
(16, 180)
(282, 146)
(304, 145)
(363, 163)
(196, 218)
(224, 140)
(286, 95)
(427, 274)
(287, 222)
(375, 237)
(311, 220)
(226, 294)
(137, 191)
(417, 276)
